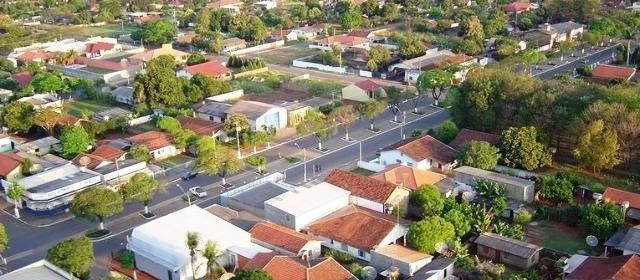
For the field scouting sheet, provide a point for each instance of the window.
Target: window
(344, 247)
(398, 161)
(361, 253)
(331, 241)
(211, 118)
(409, 164)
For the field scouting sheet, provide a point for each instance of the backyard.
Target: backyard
(76, 108)
(559, 237)
(107, 30)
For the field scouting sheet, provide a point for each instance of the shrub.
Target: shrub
(522, 217)
(355, 269)
(416, 133)
(447, 131)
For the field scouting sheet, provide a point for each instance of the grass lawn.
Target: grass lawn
(285, 56)
(107, 30)
(76, 107)
(362, 171)
(607, 180)
(559, 237)
(173, 161)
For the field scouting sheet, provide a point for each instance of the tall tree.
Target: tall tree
(211, 253)
(142, 188)
(345, 115)
(192, 242)
(74, 140)
(48, 118)
(317, 124)
(565, 46)
(236, 123)
(15, 192)
(436, 80)
(530, 57)
(601, 220)
(351, 19)
(378, 57)
(427, 200)
(155, 32)
(426, 234)
(74, 255)
(96, 203)
(520, 148)
(370, 110)
(18, 116)
(157, 87)
(447, 131)
(479, 154)
(214, 158)
(597, 147)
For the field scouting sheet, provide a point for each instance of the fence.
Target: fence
(232, 95)
(140, 120)
(371, 166)
(251, 72)
(263, 47)
(305, 64)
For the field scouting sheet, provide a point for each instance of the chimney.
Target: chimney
(547, 26)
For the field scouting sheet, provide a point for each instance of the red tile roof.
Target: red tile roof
(354, 226)
(608, 73)
(8, 163)
(259, 260)
(98, 46)
(211, 68)
(342, 40)
(280, 237)
(35, 55)
(408, 177)
(280, 32)
(103, 152)
(153, 140)
(361, 186)
(199, 126)
(517, 7)
(368, 85)
(290, 268)
(613, 268)
(618, 196)
(22, 78)
(426, 147)
(466, 135)
(221, 3)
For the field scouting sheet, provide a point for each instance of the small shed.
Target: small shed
(406, 260)
(507, 250)
(517, 188)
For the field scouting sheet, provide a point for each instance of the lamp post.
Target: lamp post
(185, 193)
(404, 120)
(304, 160)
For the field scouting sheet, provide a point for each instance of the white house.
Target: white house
(159, 144)
(259, 114)
(160, 250)
(438, 269)
(407, 261)
(40, 147)
(298, 208)
(357, 231)
(422, 153)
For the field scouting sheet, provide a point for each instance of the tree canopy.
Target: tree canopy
(447, 131)
(426, 234)
(521, 148)
(141, 187)
(427, 200)
(18, 116)
(73, 255)
(96, 203)
(155, 32)
(254, 274)
(597, 147)
(479, 154)
(601, 220)
(74, 140)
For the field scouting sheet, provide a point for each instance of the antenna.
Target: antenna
(592, 241)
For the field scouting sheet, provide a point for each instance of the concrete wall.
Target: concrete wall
(352, 92)
(304, 64)
(228, 96)
(517, 192)
(258, 48)
(338, 246)
(371, 166)
(395, 157)
(165, 152)
(363, 202)
(140, 120)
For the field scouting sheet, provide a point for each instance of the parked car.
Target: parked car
(198, 192)
(189, 176)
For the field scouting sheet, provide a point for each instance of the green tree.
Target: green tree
(498, 205)
(411, 46)
(196, 58)
(370, 110)
(369, 8)
(471, 29)
(211, 253)
(436, 80)
(447, 131)
(142, 188)
(18, 116)
(203, 21)
(506, 47)
(497, 24)
(214, 158)
(96, 203)
(509, 230)
(522, 217)
(109, 10)
(479, 154)
(459, 220)
(155, 32)
(4, 239)
(565, 46)
(390, 12)
(580, 11)
(74, 255)
(257, 161)
(254, 274)
(344, 115)
(490, 189)
(192, 242)
(317, 124)
(530, 57)
(74, 140)
(157, 87)
(378, 57)
(427, 200)
(140, 152)
(426, 234)
(597, 147)
(15, 192)
(351, 19)
(520, 148)
(555, 190)
(601, 220)
(46, 82)
(48, 118)
(168, 124)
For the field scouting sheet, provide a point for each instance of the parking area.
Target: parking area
(252, 199)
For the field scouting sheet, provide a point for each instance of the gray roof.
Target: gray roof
(564, 27)
(123, 92)
(45, 142)
(39, 270)
(505, 244)
(121, 165)
(213, 108)
(494, 176)
(631, 240)
(62, 182)
(432, 268)
(112, 113)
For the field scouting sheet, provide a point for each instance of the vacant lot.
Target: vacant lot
(77, 107)
(285, 56)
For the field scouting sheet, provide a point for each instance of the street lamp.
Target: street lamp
(185, 193)
(404, 120)
(304, 160)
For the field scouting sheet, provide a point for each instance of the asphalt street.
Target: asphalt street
(571, 63)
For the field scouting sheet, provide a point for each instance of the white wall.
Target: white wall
(164, 152)
(322, 67)
(124, 171)
(362, 202)
(232, 95)
(257, 48)
(337, 245)
(302, 221)
(395, 157)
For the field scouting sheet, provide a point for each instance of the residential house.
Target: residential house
(98, 49)
(406, 260)
(50, 191)
(232, 6)
(424, 153)
(544, 38)
(363, 91)
(298, 109)
(507, 250)
(40, 146)
(201, 127)
(233, 43)
(625, 241)
(625, 267)
(517, 188)
(433, 58)
(344, 42)
(36, 56)
(123, 95)
(41, 101)
(621, 197)
(5, 95)
(103, 154)
(284, 34)
(212, 111)
(111, 72)
(112, 113)
(144, 18)
(22, 78)
(438, 269)
(604, 74)
(41, 269)
(166, 49)
(10, 166)
(158, 143)
(285, 241)
(467, 135)
(260, 115)
(111, 163)
(370, 193)
(357, 231)
(412, 178)
(211, 69)
(292, 268)
(298, 208)
(159, 245)
(518, 7)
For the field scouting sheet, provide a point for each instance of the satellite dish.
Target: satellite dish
(84, 161)
(592, 241)
(227, 276)
(597, 196)
(369, 273)
(467, 196)
(441, 247)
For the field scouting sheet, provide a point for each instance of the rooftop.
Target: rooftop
(435, 266)
(290, 268)
(619, 196)
(9, 162)
(199, 126)
(630, 240)
(210, 68)
(516, 7)
(45, 142)
(250, 109)
(302, 200)
(39, 270)
(368, 85)
(361, 186)
(505, 244)
(234, 41)
(98, 46)
(408, 177)
(112, 112)
(280, 236)
(153, 140)
(625, 267)
(101, 153)
(218, 109)
(401, 253)
(426, 147)
(342, 40)
(607, 73)
(467, 135)
(166, 49)
(494, 176)
(258, 195)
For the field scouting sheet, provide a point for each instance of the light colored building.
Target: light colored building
(159, 144)
(517, 188)
(160, 250)
(285, 241)
(112, 113)
(438, 269)
(41, 269)
(41, 101)
(40, 52)
(260, 115)
(40, 146)
(357, 231)
(6, 143)
(10, 166)
(123, 95)
(233, 43)
(166, 49)
(298, 208)
(406, 260)
(422, 153)
(344, 42)
(267, 5)
(363, 91)
(433, 58)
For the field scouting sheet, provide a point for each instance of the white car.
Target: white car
(198, 192)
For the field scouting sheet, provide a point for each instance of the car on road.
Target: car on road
(189, 176)
(198, 192)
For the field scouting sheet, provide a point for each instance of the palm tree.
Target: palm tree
(237, 123)
(193, 239)
(15, 193)
(211, 253)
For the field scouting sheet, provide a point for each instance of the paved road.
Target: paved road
(29, 244)
(571, 63)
